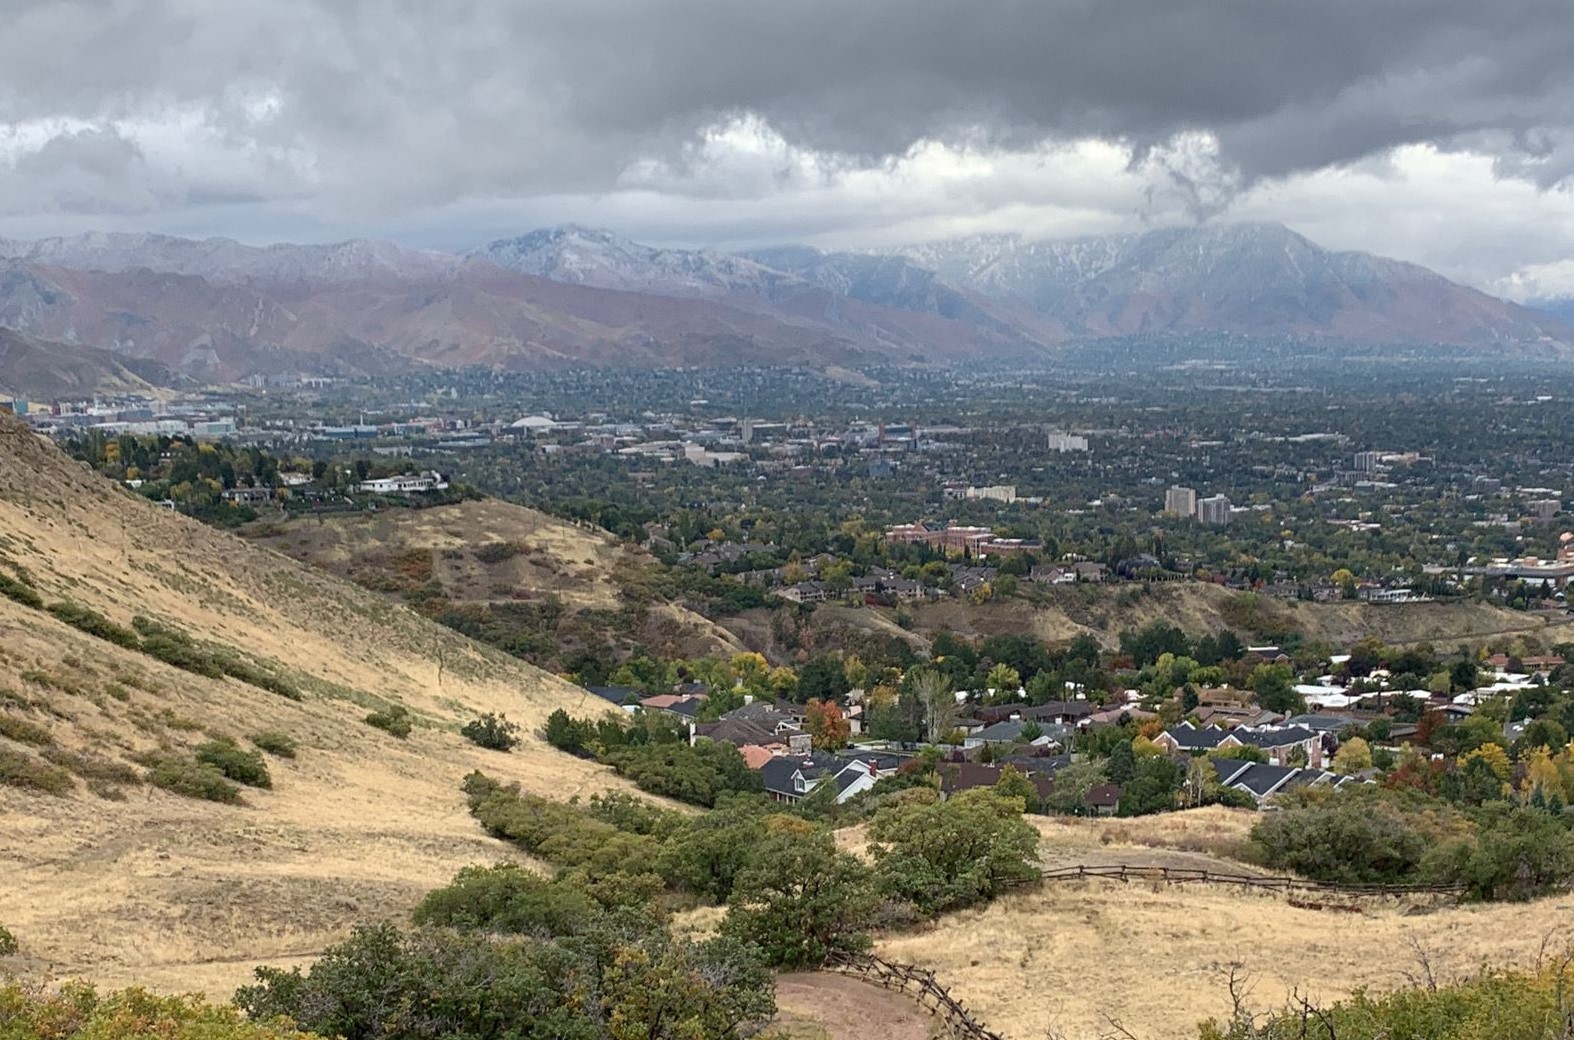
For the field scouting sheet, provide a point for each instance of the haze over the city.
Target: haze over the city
(1440, 132)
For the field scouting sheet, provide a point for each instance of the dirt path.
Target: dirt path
(826, 1006)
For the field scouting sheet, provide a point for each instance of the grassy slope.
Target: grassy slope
(1056, 961)
(1064, 613)
(177, 893)
(579, 565)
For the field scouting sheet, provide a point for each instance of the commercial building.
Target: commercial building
(1180, 501)
(1214, 510)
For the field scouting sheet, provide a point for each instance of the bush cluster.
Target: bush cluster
(193, 780)
(28, 773)
(77, 1012)
(8, 944)
(23, 731)
(493, 732)
(627, 978)
(235, 763)
(179, 650)
(1502, 1005)
(15, 587)
(394, 720)
(656, 758)
(281, 745)
(789, 890)
(496, 552)
(1498, 851)
(95, 624)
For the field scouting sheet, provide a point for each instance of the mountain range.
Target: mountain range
(217, 310)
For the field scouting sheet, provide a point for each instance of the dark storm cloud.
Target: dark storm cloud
(413, 101)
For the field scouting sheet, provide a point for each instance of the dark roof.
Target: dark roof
(1103, 796)
(1001, 731)
(966, 776)
(688, 707)
(778, 772)
(1273, 738)
(999, 712)
(619, 695)
(1039, 765)
(738, 732)
(1322, 722)
(760, 712)
(1190, 738)
(1057, 709)
(1261, 779)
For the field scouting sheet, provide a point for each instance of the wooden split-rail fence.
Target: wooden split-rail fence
(917, 983)
(1185, 875)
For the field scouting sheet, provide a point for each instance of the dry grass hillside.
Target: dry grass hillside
(1104, 612)
(1065, 959)
(119, 881)
(490, 552)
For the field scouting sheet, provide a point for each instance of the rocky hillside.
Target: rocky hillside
(31, 368)
(162, 636)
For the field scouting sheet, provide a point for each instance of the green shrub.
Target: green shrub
(697, 775)
(29, 774)
(1500, 1005)
(15, 587)
(801, 900)
(77, 1012)
(8, 945)
(493, 732)
(179, 650)
(1346, 840)
(497, 552)
(193, 780)
(236, 763)
(394, 720)
(630, 978)
(22, 731)
(95, 624)
(281, 745)
(507, 898)
(175, 648)
(89, 767)
(948, 855)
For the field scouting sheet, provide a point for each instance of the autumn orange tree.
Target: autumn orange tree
(829, 728)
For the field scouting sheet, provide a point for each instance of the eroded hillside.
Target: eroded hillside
(549, 590)
(117, 880)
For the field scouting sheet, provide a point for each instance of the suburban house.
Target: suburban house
(406, 484)
(956, 777)
(625, 697)
(1280, 744)
(246, 496)
(685, 708)
(743, 733)
(792, 778)
(1102, 799)
(1263, 781)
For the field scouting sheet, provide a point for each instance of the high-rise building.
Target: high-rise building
(1366, 461)
(1064, 442)
(1214, 510)
(1545, 509)
(1180, 501)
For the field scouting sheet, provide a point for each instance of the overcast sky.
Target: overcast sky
(1439, 131)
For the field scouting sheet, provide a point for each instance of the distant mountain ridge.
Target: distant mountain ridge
(225, 261)
(573, 296)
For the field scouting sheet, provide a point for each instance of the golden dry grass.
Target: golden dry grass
(180, 894)
(1154, 958)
